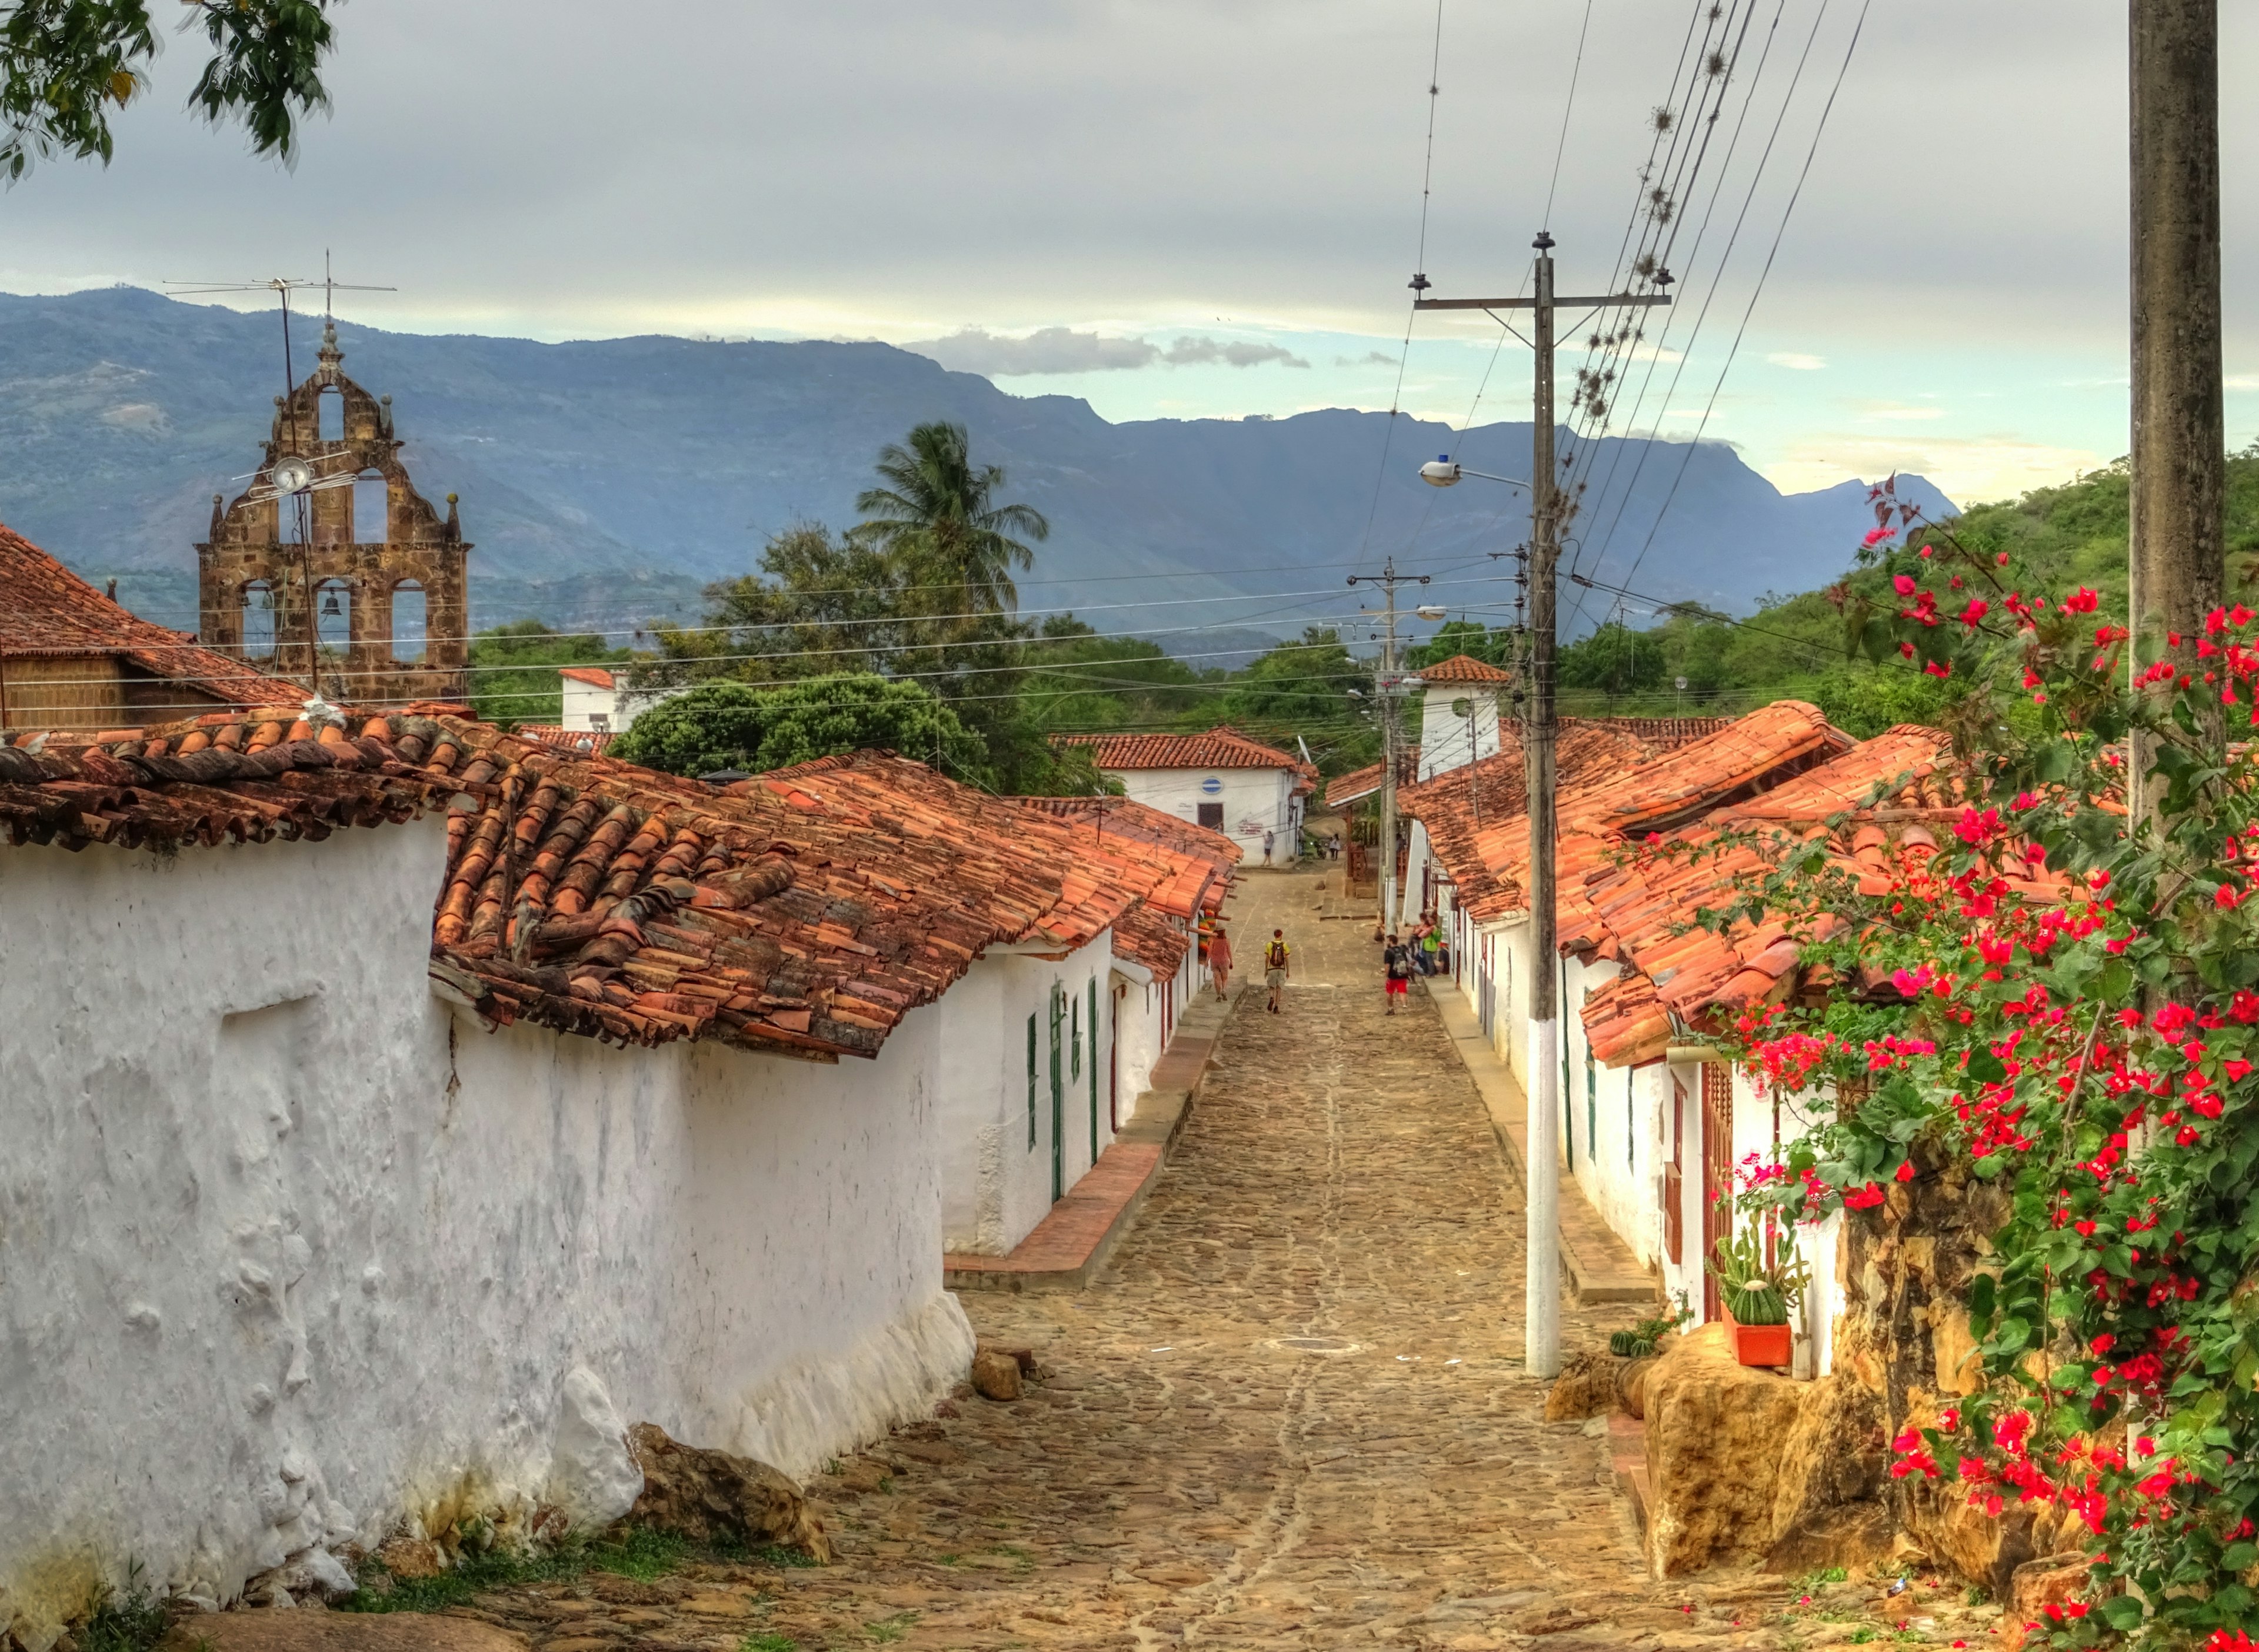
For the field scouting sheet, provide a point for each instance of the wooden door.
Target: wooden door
(1114, 1066)
(1717, 1172)
(1674, 1179)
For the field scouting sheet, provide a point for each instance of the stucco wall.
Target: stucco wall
(286, 1252)
(1443, 739)
(1261, 798)
(996, 1184)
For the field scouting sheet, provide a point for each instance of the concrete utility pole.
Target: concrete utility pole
(2176, 563)
(1388, 690)
(1541, 1326)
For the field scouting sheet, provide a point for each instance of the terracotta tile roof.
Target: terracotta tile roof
(1585, 751)
(1220, 748)
(1639, 910)
(222, 780)
(1345, 789)
(595, 676)
(1666, 734)
(48, 610)
(805, 911)
(1464, 669)
(1133, 819)
(595, 742)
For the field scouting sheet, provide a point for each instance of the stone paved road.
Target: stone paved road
(1292, 1415)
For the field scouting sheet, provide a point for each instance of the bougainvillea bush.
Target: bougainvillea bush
(2076, 1016)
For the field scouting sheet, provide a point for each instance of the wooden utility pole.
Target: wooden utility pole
(2176, 558)
(1541, 1322)
(1387, 686)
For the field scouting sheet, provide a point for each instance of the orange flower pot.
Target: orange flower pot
(1756, 1344)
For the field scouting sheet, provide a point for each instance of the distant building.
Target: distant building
(1253, 794)
(354, 562)
(1459, 715)
(72, 658)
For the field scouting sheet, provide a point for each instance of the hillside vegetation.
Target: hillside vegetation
(1793, 647)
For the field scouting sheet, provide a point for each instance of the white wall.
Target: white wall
(287, 1251)
(997, 1181)
(1445, 741)
(1254, 800)
(588, 707)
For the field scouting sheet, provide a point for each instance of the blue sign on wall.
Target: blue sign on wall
(1211, 785)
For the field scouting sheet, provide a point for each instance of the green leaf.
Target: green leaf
(2121, 1613)
(1986, 1068)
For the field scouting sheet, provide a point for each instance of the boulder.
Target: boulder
(716, 1496)
(1835, 1458)
(995, 1376)
(1631, 1385)
(336, 1631)
(1848, 1535)
(1717, 1432)
(1587, 1387)
(592, 1477)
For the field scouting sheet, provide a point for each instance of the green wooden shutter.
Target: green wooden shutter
(1092, 1018)
(1031, 1082)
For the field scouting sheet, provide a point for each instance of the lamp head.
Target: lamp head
(1440, 472)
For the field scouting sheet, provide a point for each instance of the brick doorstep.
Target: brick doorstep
(1602, 1267)
(1071, 1242)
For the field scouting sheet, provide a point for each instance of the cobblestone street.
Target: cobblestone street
(1293, 1413)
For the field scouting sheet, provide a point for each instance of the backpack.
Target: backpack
(1274, 955)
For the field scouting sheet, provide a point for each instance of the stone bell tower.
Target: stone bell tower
(331, 568)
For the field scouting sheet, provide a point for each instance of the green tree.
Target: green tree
(938, 519)
(1313, 687)
(725, 724)
(65, 65)
(818, 606)
(1470, 637)
(513, 670)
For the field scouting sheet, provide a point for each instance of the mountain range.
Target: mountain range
(604, 482)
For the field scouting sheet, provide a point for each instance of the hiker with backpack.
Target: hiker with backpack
(1275, 956)
(1396, 962)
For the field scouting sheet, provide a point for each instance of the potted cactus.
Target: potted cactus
(1759, 1295)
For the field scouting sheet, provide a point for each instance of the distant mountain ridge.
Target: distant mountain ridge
(606, 482)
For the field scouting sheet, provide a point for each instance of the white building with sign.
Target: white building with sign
(1255, 794)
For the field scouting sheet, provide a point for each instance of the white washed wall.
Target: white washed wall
(996, 1182)
(1443, 739)
(1254, 800)
(287, 1251)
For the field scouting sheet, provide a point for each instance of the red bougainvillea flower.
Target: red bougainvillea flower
(1864, 1198)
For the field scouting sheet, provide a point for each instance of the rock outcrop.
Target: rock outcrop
(718, 1497)
(1717, 1434)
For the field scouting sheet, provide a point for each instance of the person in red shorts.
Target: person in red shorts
(1396, 958)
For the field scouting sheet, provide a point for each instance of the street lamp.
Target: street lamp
(1441, 473)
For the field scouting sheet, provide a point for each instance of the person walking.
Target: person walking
(1276, 962)
(1396, 963)
(1219, 961)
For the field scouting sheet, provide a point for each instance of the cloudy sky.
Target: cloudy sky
(1178, 209)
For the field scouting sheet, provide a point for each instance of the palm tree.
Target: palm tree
(936, 517)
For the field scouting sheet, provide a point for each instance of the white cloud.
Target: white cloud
(1900, 411)
(1971, 470)
(1797, 361)
(1063, 350)
(2241, 381)
(1045, 350)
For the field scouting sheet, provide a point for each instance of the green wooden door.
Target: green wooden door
(1058, 1093)
(1091, 1021)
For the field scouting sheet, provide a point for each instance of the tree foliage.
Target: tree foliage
(724, 724)
(67, 65)
(2076, 1021)
(513, 670)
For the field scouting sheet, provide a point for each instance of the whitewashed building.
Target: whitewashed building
(1253, 794)
(1654, 1118)
(410, 1213)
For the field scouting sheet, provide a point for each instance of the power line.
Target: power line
(1764, 275)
